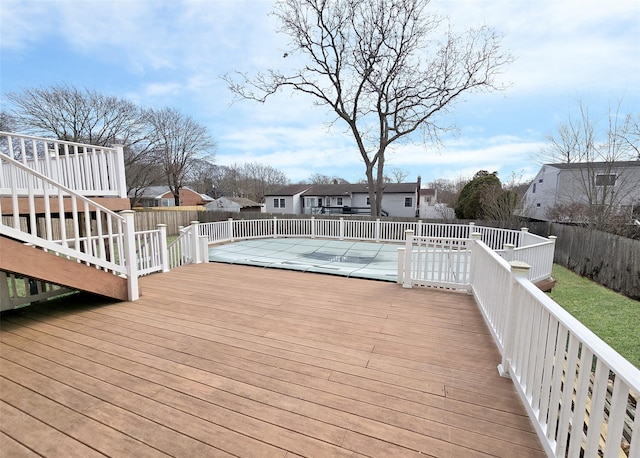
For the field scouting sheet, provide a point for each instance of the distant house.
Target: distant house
(398, 199)
(614, 184)
(161, 196)
(428, 201)
(233, 205)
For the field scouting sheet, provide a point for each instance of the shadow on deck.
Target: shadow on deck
(218, 360)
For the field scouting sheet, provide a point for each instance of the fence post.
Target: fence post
(275, 227)
(195, 236)
(377, 234)
(313, 227)
(408, 248)
(341, 228)
(164, 252)
(419, 228)
(130, 257)
(120, 173)
(230, 220)
(400, 274)
(519, 269)
(508, 251)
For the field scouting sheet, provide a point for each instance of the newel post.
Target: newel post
(120, 173)
(195, 243)
(230, 229)
(377, 229)
(475, 238)
(164, 252)
(408, 248)
(341, 228)
(130, 256)
(275, 227)
(313, 227)
(508, 251)
(519, 269)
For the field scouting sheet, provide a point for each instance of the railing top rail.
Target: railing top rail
(497, 258)
(54, 140)
(535, 245)
(67, 190)
(615, 362)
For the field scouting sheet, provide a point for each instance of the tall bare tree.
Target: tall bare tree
(177, 139)
(72, 114)
(386, 68)
(319, 178)
(86, 116)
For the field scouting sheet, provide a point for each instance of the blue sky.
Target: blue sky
(171, 53)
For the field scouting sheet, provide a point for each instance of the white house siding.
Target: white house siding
(292, 205)
(542, 193)
(394, 204)
(563, 185)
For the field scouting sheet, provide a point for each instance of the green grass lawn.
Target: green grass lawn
(611, 316)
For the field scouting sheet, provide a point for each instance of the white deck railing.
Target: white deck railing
(88, 170)
(579, 393)
(424, 237)
(68, 224)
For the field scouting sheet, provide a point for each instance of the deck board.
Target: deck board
(219, 360)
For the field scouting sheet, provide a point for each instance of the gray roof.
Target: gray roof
(156, 192)
(584, 165)
(341, 189)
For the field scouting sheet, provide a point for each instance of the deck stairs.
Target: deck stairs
(58, 223)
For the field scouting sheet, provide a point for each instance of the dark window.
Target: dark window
(338, 200)
(540, 180)
(408, 202)
(537, 205)
(605, 180)
(534, 188)
(319, 201)
(276, 203)
(282, 203)
(368, 201)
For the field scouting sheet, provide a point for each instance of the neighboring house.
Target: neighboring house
(614, 185)
(161, 196)
(428, 201)
(398, 199)
(233, 205)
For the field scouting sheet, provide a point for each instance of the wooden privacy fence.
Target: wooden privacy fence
(609, 259)
(148, 220)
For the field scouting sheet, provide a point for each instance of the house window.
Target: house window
(537, 205)
(368, 201)
(534, 188)
(319, 201)
(338, 201)
(276, 203)
(408, 201)
(168, 202)
(282, 205)
(605, 180)
(540, 180)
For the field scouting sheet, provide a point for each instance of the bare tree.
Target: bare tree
(397, 176)
(7, 122)
(318, 178)
(379, 66)
(261, 179)
(86, 116)
(83, 116)
(177, 140)
(615, 136)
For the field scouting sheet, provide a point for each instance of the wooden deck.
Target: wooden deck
(224, 360)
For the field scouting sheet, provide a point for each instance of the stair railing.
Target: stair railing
(83, 230)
